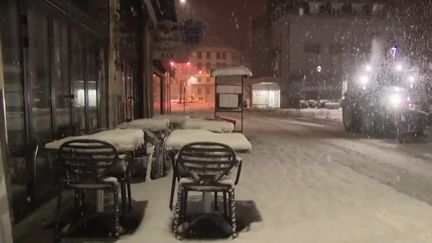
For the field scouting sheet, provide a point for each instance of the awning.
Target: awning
(232, 71)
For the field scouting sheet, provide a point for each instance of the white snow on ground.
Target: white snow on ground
(209, 125)
(149, 124)
(323, 114)
(306, 190)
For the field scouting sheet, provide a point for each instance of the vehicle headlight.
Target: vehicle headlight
(395, 100)
(364, 80)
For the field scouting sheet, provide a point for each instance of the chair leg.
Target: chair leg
(177, 217)
(123, 195)
(185, 201)
(129, 192)
(173, 184)
(77, 200)
(82, 201)
(56, 230)
(215, 201)
(116, 211)
(225, 204)
(233, 212)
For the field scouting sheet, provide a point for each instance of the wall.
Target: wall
(5, 223)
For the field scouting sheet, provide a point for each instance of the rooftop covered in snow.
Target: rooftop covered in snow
(232, 71)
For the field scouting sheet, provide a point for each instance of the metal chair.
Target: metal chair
(205, 168)
(85, 163)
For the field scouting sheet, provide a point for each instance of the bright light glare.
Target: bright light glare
(411, 78)
(182, 1)
(395, 100)
(364, 79)
(368, 68)
(398, 67)
(192, 80)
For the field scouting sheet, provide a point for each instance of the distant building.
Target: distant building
(310, 47)
(202, 61)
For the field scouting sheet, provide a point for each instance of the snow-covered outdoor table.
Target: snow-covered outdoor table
(174, 119)
(125, 140)
(149, 124)
(179, 138)
(209, 125)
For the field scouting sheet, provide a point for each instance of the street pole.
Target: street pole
(184, 96)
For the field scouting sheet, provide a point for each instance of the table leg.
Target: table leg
(206, 199)
(99, 201)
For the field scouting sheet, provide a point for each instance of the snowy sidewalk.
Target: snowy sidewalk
(304, 192)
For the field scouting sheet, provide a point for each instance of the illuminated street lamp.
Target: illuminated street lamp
(183, 1)
(192, 80)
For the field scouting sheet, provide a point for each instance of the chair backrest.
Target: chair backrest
(85, 160)
(206, 162)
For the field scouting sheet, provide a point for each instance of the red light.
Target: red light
(200, 71)
(188, 63)
(172, 63)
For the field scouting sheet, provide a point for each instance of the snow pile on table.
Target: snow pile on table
(178, 138)
(123, 139)
(209, 125)
(173, 118)
(149, 124)
(323, 114)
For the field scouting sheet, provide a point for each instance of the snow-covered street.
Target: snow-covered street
(313, 182)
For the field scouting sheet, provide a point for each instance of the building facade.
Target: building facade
(196, 73)
(311, 47)
(72, 68)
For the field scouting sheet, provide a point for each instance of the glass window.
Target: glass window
(199, 66)
(13, 91)
(77, 80)
(223, 55)
(39, 75)
(199, 55)
(336, 48)
(156, 94)
(218, 55)
(60, 76)
(91, 78)
(102, 89)
(208, 55)
(312, 47)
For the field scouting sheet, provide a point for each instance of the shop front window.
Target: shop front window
(156, 94)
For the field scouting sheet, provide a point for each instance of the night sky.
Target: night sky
(228, 21)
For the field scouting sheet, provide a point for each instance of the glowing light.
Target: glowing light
(368, 68)
(188, 63)
(200, 72)
(192, 80)
(183, 1)
(364, 79)
(319, 68)
(395, 100)
(399, 67)
(172, 63)
(411, 78)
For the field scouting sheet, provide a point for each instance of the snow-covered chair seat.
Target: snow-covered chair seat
(205, 166)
